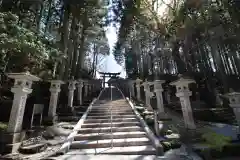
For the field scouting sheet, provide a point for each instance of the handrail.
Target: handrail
(150, 134)
(111, 116)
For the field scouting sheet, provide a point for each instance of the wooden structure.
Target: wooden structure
(108, 75)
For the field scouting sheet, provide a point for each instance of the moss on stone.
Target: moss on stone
(215, 140)
(3, 126)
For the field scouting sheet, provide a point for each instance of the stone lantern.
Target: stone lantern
(21, 90)
(184, 94)
(55, 89)
(146, 90)
(131, 88)
(71, 88)
(80, 87)
(138, 85)
(234, 98)
(85, 89)
(159, 90)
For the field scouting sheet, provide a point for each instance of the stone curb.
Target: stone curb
(66, 146)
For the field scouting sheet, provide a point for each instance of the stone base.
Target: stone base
(49, 121)
(33, 148)
(164, 117)
(68, 111)
(10, 142)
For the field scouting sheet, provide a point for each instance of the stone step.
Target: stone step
(110, 111)
(111, 106)
(108, 114)
(109, 120)
(80, 108)
(131, 150)
(65, 114)
(113, 124)
(79, 112)
(69, 118)
(109, 117)
(109, 129)
(113, 111)
(110, 143)
(115, 135)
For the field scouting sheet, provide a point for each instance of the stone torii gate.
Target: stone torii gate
(108, 75)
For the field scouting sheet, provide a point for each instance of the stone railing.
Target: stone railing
(33, 97)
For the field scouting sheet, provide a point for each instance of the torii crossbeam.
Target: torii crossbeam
(108, 74)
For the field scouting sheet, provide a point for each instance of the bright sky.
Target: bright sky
(110, 63)
(111, 33)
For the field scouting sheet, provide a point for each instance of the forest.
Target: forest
(62, 39)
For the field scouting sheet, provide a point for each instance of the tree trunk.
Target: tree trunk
(94, 59)
(64, 38)
(70, 50)
(81, 55)
(48, 16)
(76, 39)
(180, 64)
(220, 69)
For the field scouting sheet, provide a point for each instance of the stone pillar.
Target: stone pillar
(168, 95)
(11, 139)
(159, 90)
(156, 125)
(85, 89)
(80, 86)
(21, 89)
(147, 90)
(219, 101)
(55, 88)
(131, 88)
(138, 85)
(89, 89)
(184, 93)
(234, 98)
(71, 88)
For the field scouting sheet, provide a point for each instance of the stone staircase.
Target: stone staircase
(111, 127)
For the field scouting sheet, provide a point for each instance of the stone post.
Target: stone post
(21, 89)
(184, 93)
(168, 95)
(159, 90)
(234, 98)
(55, 88)
(90, 89)
(131, 88)
(156, 125)
(71, 88)
(85, 89)
(150, 94)
(11, 140)
(138, 85)
(219, 102)
(80, 86)
(146, 86)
